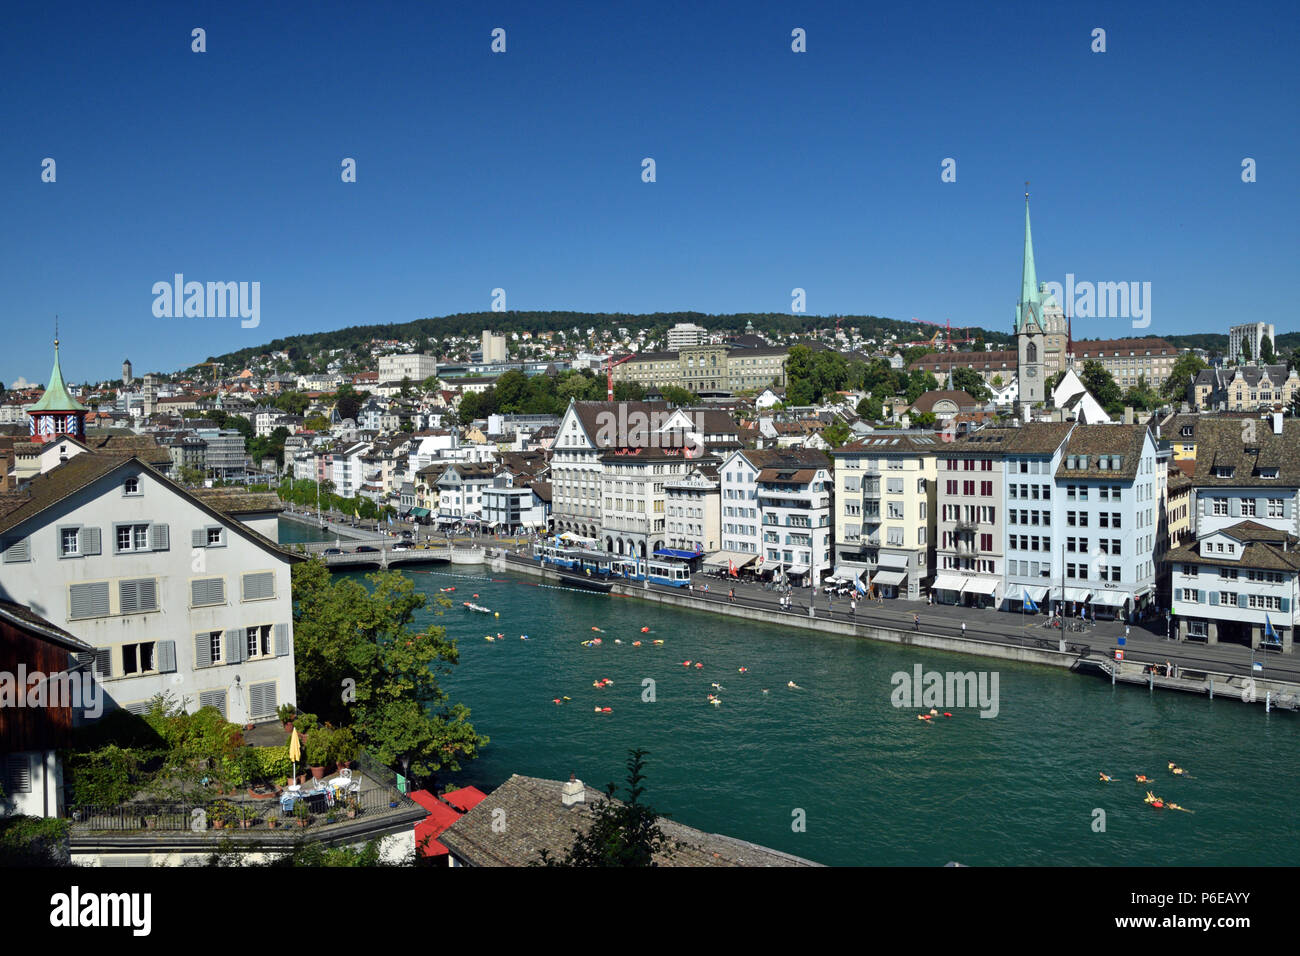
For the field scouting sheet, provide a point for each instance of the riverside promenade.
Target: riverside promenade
(1219, 669)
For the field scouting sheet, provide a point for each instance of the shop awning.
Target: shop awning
(1110, 598)
(889, 577)
(1077, 595)
(797, 569)
(723, 559)
(420, 512)
(847, 574)
(981, 585)
(674, 553)
(1037, 593)
(949, 582)
(890, 560)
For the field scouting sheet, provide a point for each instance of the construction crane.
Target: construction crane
(215, 366)
(946, 333)
(609, 373)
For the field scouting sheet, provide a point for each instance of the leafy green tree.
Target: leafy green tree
(676, 395)
(923, 419)
(623, 832)
(972, 383)
(1245, 352)
(317, 423)
(918, 383)
(837, 433)
(1098, 380)
(348, 401)
(346, 633)
(190, 476)
(294, 403)
(1142, 395)
(1186, 367)
(1267, 355)
(871, 408)
(1054, 381)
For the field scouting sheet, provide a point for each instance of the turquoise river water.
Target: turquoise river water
(872, 784)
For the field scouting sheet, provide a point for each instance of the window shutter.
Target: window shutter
(88, 600)
(139, 708)
(261, 699)
(1286, 604)
(1234, 507)
(198, 538)
(260, 584)
(166, 657)
(148, 589)
(234, 646)
(88, 540)
(104, 661)
(138, 595)
(159, 537)
(1200, 597)
(1242, 600)
(204, 591)
(1214, 597)
(17, 551)
(1205, 506)
(18, 774)
(254, 700)
(1286, 508)
(214, 698)
(282, 642)
(202, 650)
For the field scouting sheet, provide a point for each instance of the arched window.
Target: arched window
(1031, 353)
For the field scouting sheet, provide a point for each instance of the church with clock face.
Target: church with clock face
(1042, 334)
(56, 413)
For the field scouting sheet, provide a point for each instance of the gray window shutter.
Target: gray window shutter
(205, 591)
(1205, 506)
(260, 584)
(234, 646)
(104, 661)
(139, 708)
(1286, 604)
(261, 699)
(1286, 507)
(1200, 597)
(159, 537)
(1242, 600)
(148, 591)
(202, 650)
(199, 538)
(282, 642)
(17, 551)
(166, 657)
(254, 700)
(17, 774)
(89, 540)
(213, 698)
(1234, 507)
(1214, 597)
(88, 600)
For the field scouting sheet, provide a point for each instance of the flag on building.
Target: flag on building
(1029, 603)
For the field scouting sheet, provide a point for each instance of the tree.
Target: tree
(923, 419)
(622, 833)
(1186, 367)
(972, 383)
(676, 395)
(871, 408)
(346, 636)
(407, 388)
(1245, 352)
(1101, 384)
(348, 401)
(317, 423)
(628, 392)
(295, 403)
(836, 434)
(1054, 382)
(1142, 395)
(1267, 355)
(997, 381)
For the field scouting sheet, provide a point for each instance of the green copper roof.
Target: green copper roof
(1030, 306)
(56, 397)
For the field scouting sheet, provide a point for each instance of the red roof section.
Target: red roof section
(465, 799)
(431, 827)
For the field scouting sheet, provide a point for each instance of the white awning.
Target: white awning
(723, 559)
(1077, 595)
(847, 574)
(1037, 592)
(1110, 598)
(949, 582)
(797, 569)
(981, 585)
(889, 560)
(889, 577)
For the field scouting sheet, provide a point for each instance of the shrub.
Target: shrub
(33, 841)
(103, 777)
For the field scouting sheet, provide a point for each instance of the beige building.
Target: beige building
(885, 511)
(1246, 388)
(494, 347)
(1127, 360)
(693, 504)
(707, 368)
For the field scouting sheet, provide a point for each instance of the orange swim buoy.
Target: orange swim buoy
(946, 714)
(645, 630)
(686, 663)
(556, 701)
(636, 643)
(698, 664)
(607, 710)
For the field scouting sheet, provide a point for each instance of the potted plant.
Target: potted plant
(221, 815)
(344, 748)
(286, 714)
(353, 807)
(331, 817)
(319, 751)
(302, 813)
(273, 821)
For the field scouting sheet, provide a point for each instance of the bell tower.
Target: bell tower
(56, 413)
(1031, 330)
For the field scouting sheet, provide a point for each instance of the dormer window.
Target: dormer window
(131, 486)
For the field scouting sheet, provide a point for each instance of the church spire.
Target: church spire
(1029, 308)
(56, 412)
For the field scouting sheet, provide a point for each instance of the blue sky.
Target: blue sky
(522, 170)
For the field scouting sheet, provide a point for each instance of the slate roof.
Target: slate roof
(926, 401)
(1227, 443)
(539, 821)
(234, 502)
(1093, 440)
(1032, 438)
(762, 458)
(1264, 548)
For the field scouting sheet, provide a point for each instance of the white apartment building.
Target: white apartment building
(693, 506)
(416, 366)
(776, 510)
(1246, 468)
(460, 491)
(685, 334)
(173, 596)
(494, 347)
(347, 469)
(1252, 334)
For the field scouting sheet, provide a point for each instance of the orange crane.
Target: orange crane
(609, 372)
(947, 333)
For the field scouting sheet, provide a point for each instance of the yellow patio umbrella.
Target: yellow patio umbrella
(295, 754)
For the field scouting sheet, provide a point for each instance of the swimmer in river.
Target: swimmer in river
(1105, 778)
(793, 685)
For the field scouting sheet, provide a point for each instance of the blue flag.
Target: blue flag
(1029, 603)
(1269, 633)
(859, 586)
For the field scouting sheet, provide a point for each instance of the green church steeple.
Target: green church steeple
(1029, 309)
(56, 397)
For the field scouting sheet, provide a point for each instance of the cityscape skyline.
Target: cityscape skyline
(522, 170)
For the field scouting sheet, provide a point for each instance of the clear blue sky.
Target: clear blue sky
(522, 170)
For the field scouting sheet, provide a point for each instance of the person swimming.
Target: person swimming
(1177, 769)
(793, 685)
(1105, 778)
(1143, 778)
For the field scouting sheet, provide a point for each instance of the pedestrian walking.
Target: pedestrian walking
(916, 622)
(929, 599)
(1125, 632)
(731, 595)
(963, 628)
(853, 607)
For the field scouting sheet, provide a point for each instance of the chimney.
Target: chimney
(1277, 423)
(1128, 414)
(573, 792)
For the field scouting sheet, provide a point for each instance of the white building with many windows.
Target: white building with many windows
(174, 596)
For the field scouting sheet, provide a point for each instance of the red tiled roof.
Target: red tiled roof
(465, 799)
